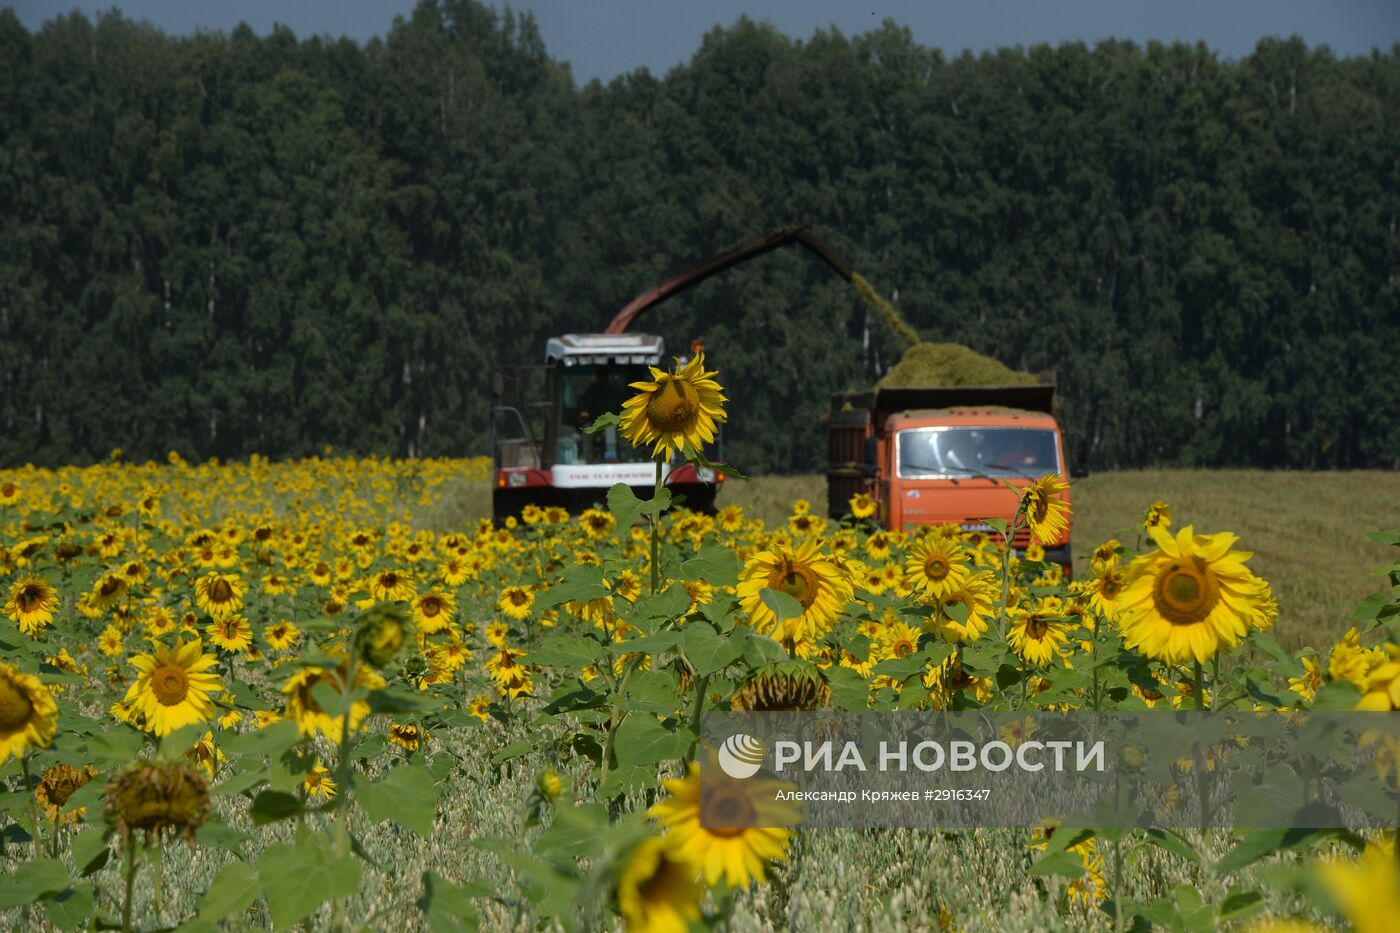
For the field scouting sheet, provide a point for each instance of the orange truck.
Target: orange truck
(943, 454)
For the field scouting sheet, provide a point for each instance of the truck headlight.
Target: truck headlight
(517, 479)
(705, 474)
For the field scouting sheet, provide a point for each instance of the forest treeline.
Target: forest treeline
(225, 243)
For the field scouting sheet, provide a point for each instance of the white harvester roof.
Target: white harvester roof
(579, 349)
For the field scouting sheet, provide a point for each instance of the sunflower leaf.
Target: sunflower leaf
(408, 796)
(117, 745)
(269, 806)
(605, 420)
(446, 906)
(715, 564)
(1065, 864)
(709, 652)
(783, 605)
(641, 740)
(624, 505)
(231, 892)
(298, 878)
(32, 881)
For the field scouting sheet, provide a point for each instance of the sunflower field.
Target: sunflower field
(263, 695)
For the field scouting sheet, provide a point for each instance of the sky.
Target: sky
(606, 38)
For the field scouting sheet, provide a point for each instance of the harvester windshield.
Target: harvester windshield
(954, 452)
(587, 391)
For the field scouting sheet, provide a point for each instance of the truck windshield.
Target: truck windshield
(949, 453)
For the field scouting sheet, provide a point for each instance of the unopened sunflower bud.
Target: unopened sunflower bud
(549, 785)
(381, 634)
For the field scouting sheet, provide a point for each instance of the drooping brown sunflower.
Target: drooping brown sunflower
(156, 797)
(674, 410)
(57, 785)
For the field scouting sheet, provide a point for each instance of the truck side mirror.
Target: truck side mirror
(498, 383)
(870, 450)
(1079, 471)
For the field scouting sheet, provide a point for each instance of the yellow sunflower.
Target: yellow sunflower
(219, 594)
(28, 714)
(818, 584)
(1105, 589)
(674, 410)
(658, 890)
(1158, 515)
(308, 714)
(976, 594)
(108, 589)
(937, 565)
(1047, 513)
(32, 603)
(1037, 634)
(231, 633)
(318, 783)
(391, 585)
(898, 640)
(281, 636)
(172, 687)
(1190, 598)
(723, 833)
(862, 505)
(432, 612)
(516, 601)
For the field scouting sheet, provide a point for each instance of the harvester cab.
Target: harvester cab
(542, 453)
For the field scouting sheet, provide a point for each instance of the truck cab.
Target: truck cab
(943, 455)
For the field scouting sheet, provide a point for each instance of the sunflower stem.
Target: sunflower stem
(129, 869)
(33, 807)
(700, 686)
(656, 533)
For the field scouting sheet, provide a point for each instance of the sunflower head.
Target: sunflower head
(28, 714)
(785, 685)
(156, 797)
(674, 410)
(57, 785)
(1190, 598)
(658, 888)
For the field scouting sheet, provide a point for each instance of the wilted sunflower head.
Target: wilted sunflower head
(785, 686)
(156, 797)
(57, 785)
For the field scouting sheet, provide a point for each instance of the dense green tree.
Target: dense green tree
(225, 244)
